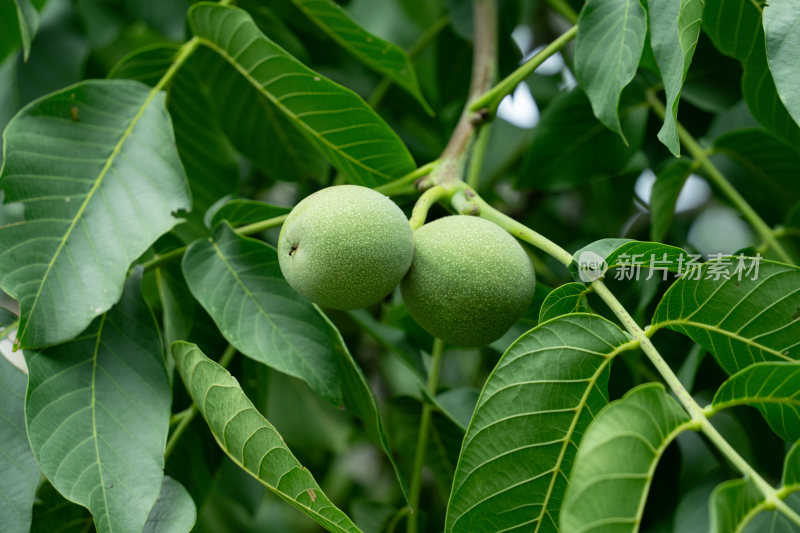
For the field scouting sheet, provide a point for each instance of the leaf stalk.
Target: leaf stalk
(491, 98)
(400, 184)
(424, 203)
(412, 523)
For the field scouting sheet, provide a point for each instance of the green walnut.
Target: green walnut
(469, 280)
(345, 247)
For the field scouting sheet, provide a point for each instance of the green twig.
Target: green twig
(412, 523)
(187, 415)
(483, 72)
(491, 98)
(424, 203)
(161, 260)
(701, 157)
(515, 228)
(7, 329)
(392, 526)
(477, 156)
(401, 184)
(177, 417)
(173, 255)
(258, 227)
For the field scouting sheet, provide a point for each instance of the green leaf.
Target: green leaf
(273, 21)
(632, 259)
(617, 458)
(591, 262)
(19, 20)
(97, 413)
(374, 52)
(570, 146)
(20, 471)
(458, 404)
(691, 515)
(350, 135)
(793, 218)
(772, 388)
(239, 282)
(735, 28)
(648, 254)
(731, 505)
(391, 338)
(781, 19)
(210, 166)
(54, 514)
(737, 40)
(256, 127)
(168, 18)
(196, 460)
(104, 189)
(674, 29)
(241, 212)
(664, 196)
(607, 50)
(762, 97)
(10, 37)
(740, 321)
(714, 84)
(738, 506)
(791, 469)
(535, 406)
(28, 24)
(174, 510)
(563, 300)
(177, 306)
(767, 170)
(251, 441)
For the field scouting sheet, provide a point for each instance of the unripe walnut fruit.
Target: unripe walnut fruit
(345, 247)
(469, 280)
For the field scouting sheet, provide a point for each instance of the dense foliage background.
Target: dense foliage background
(544, 158)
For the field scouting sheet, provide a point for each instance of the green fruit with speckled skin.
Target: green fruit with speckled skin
(469, 280)
(345, 247)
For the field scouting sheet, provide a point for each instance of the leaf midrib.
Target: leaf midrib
(409, 81)
(758, 400)
(93, 403)
(89, 195)
(685, 322)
